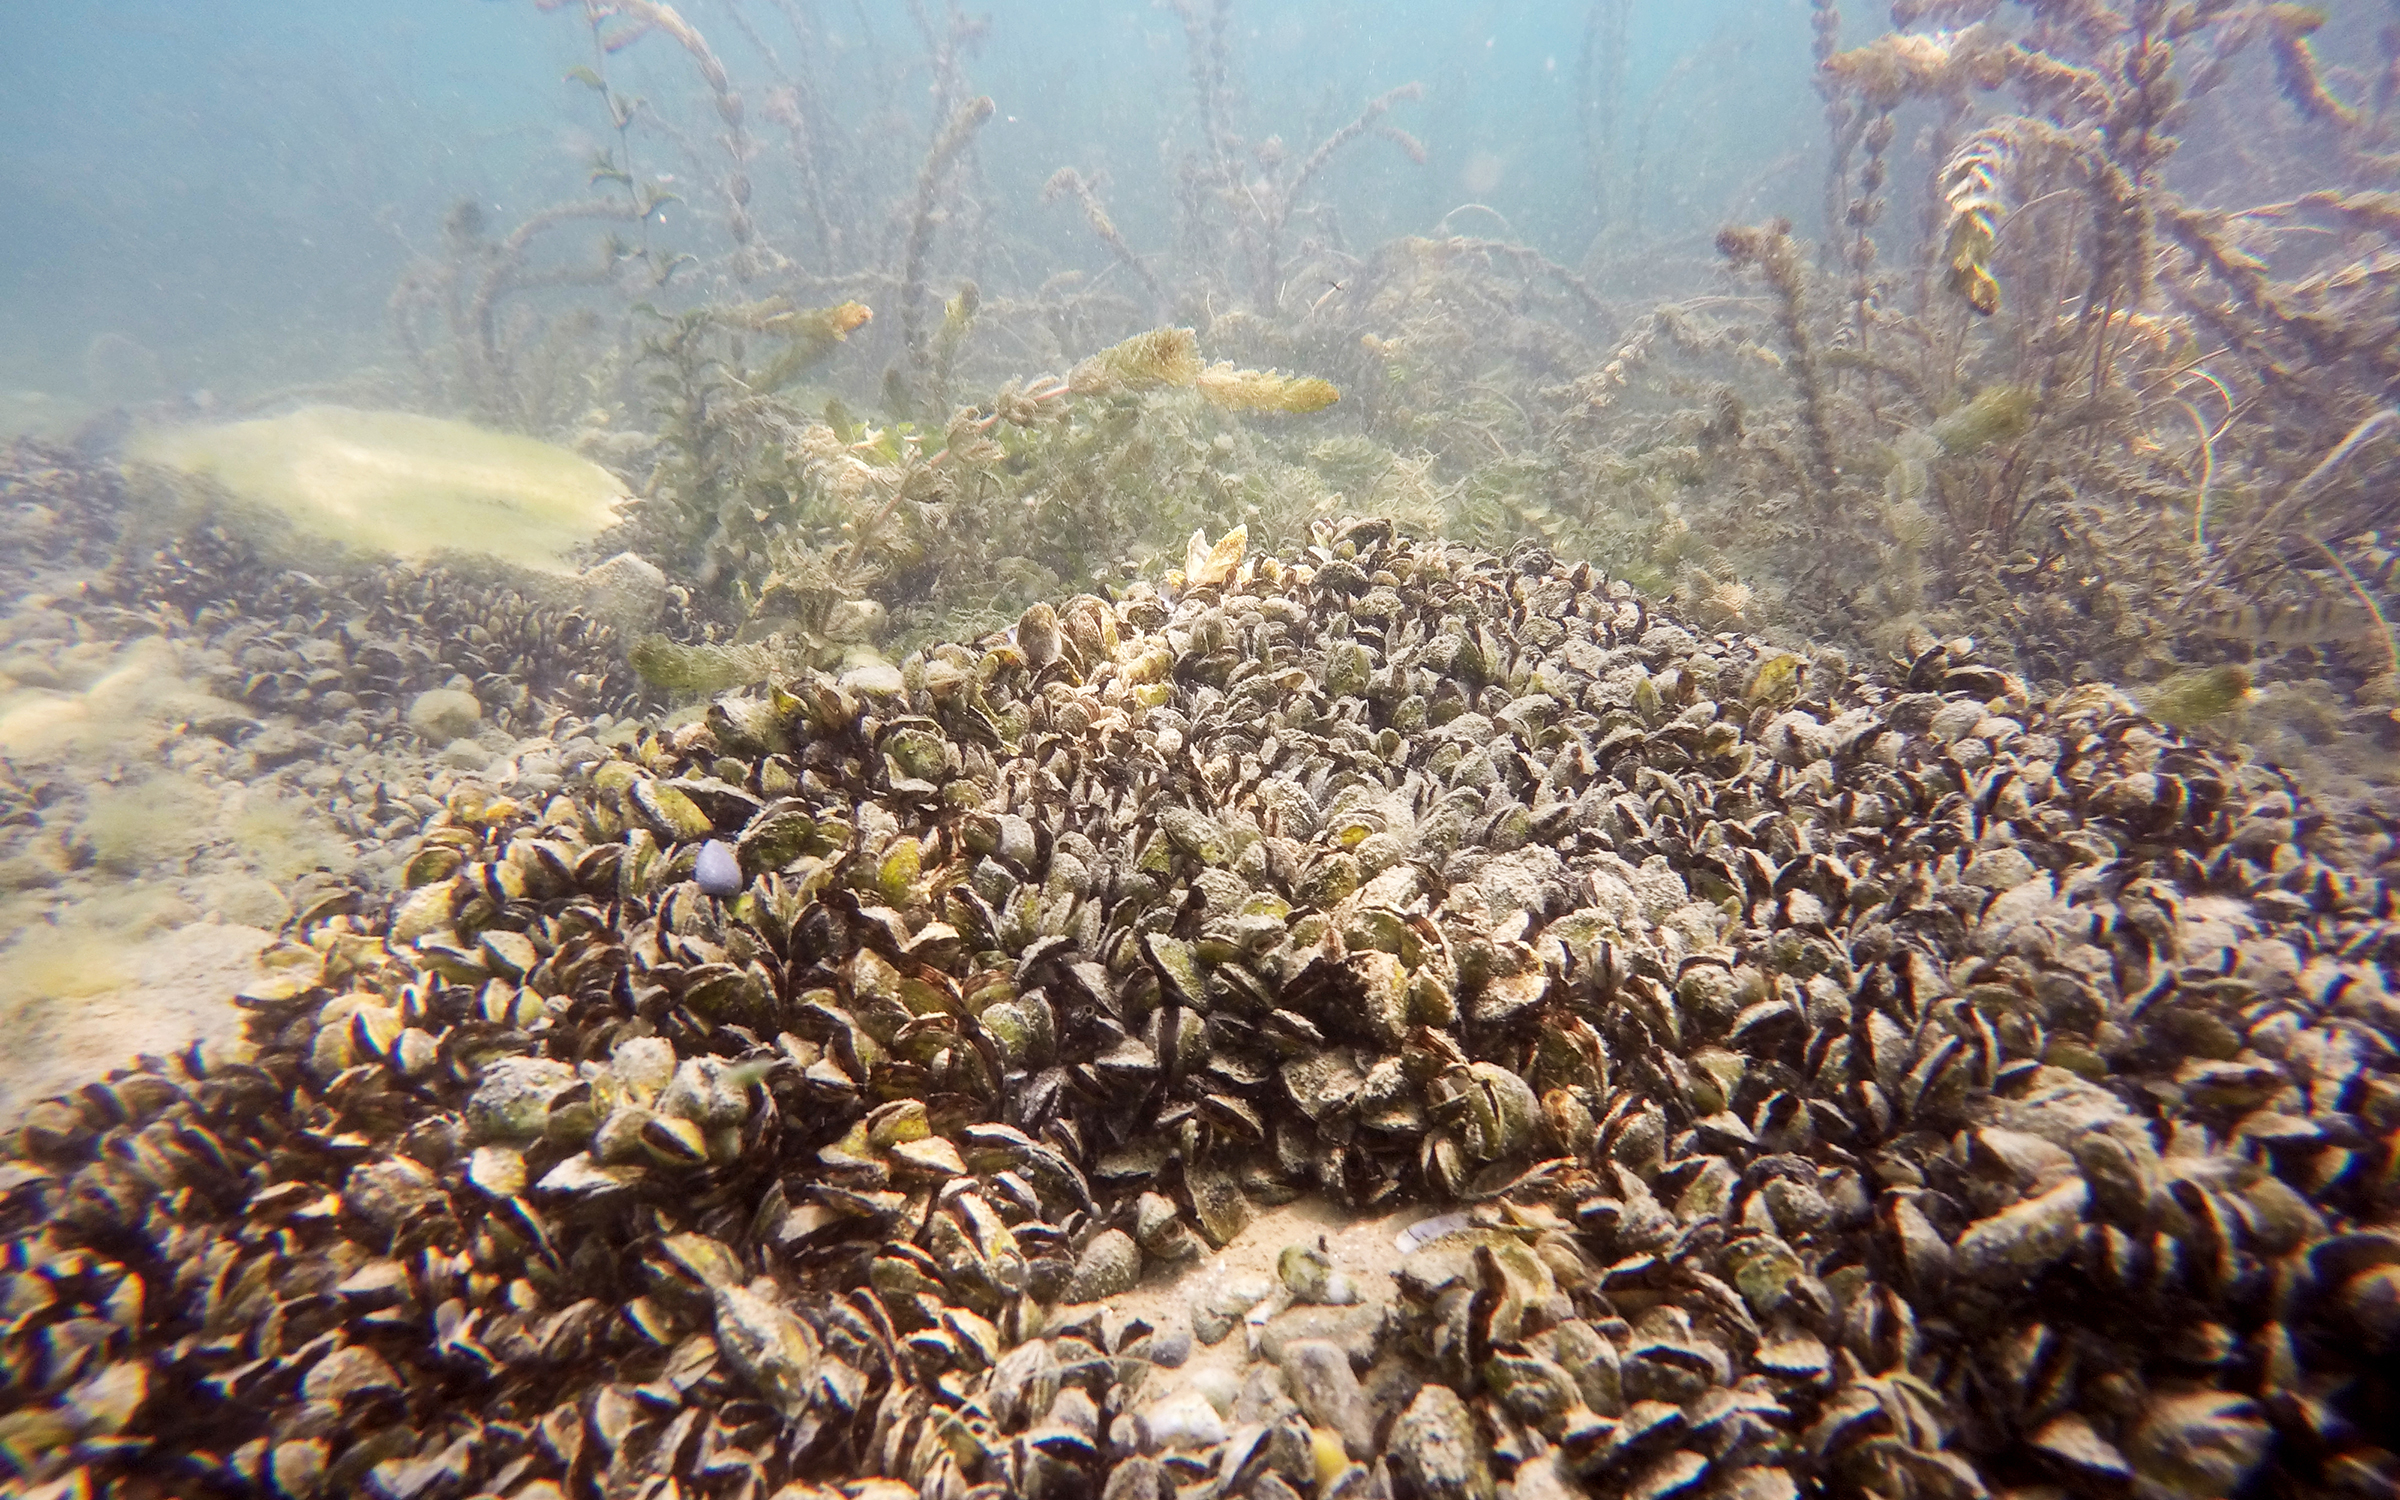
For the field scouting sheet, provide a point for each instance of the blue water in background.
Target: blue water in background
(235, 184)
(212, 177)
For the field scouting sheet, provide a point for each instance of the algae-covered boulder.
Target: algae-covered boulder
(396, 482)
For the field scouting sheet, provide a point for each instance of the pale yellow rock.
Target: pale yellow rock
(399, 483)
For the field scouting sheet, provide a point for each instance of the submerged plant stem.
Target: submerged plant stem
(2310, 482)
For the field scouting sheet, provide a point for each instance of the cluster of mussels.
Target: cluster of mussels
(341, 643)
(1833, 1083)
(361, 643)
(291, 690)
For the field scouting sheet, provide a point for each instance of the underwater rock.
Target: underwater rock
(465, 754)
(1436, 1452)
(626, 591)
(407, 485)
(1112, 1263)
(1319, 1377)
(441, 715)
(716, 870)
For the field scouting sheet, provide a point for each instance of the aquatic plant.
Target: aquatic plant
(478, 350)
(2097, 394)
(1264, 390)
(810, 334)
(940, 158)
(811, 532)
(1066, 182)
(720, 474)
(1237, 198)
(618, 24)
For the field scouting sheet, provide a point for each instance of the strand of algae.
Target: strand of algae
(1171, 357)
(811, 334)
(651, 15)
(961, 128)
(1067, 182)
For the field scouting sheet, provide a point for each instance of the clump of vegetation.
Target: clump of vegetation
(126, 829)
(2188, 700)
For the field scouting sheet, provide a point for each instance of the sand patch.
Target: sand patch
(79, 1003)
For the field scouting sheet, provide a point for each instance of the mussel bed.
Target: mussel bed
(1837, 1080)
